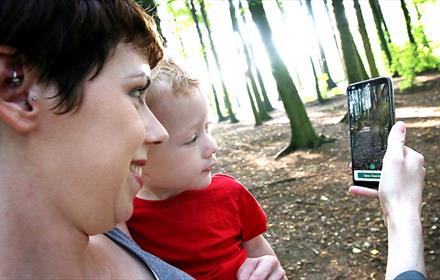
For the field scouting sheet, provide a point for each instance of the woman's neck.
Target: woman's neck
(36, 242)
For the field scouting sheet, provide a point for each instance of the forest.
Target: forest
(276, 74)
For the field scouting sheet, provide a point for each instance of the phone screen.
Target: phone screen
(371, 116)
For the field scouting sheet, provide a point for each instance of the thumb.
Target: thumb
(396, 138)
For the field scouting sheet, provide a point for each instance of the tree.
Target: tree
(202, 44)
(266, 100)
(408, 23)
(263, 115)
(330, 83)
(228, 104)
(302, 133)
(380, 25)
(334, 32)
(355, 70)
(365, 40)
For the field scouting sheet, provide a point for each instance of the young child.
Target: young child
(205, 225)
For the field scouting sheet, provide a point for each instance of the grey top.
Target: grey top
(159, 268)
(410, 275)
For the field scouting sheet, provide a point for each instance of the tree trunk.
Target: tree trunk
(375, 8)
(318, 92)
(353, 64)
(330, 83)
(425, 40)
(302, 133)
(334, 32)
(228, 104)
(202, 43)
(257, 117)
(365, 40)
(408, 23)
(261, 108)
(267, 105)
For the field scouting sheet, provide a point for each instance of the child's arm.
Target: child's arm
(257, 247)
(261, 262)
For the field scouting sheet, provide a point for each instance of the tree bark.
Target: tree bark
(330, 83)
(228, 104)
(202, 44)
(302, 133)
(365, 40)
(353, 64)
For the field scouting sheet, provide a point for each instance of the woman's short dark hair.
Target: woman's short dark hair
(68, 40)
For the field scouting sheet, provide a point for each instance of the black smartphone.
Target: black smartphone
(371, 116)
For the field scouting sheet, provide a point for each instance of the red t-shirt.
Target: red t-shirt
(200, 231)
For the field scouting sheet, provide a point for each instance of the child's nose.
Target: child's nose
(211, 148)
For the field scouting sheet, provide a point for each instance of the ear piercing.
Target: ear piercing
(34, 98)
(15, 81)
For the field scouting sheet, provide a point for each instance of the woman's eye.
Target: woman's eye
(193, 140)
(138, 93)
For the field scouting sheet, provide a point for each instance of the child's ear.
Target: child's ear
(18, 108)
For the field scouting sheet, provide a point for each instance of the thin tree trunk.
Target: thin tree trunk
(334, 32)
(425, 40)
(353, 64)
(257, 117)
(330, 83)
(408, 23)
(318, 92)
(302, 133)
(228, 104)
(378, 22)
(202, 43)
(261, 109)
(268, 106)
(365, 40)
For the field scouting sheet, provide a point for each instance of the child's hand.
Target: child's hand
(264, 267)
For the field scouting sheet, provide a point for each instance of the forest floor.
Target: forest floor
(317, 229)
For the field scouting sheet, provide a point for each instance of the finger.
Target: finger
(365, 192)
(263, 269)
(245, 271)
(396, 138)
(277, 274)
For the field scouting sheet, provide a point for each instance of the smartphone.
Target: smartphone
(371, 116)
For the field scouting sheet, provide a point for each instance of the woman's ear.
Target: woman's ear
(18, 108)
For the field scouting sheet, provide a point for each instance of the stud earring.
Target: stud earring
(34, 98)
(15, 81)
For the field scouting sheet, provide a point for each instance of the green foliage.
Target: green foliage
(409, 61)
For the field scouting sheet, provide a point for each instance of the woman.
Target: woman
(74, 134)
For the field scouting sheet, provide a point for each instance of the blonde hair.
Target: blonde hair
(170, 77)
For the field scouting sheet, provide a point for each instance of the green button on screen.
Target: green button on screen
(363, 175)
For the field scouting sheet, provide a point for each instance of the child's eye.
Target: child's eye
(193, 140)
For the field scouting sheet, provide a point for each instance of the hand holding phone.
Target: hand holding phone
(371, 116)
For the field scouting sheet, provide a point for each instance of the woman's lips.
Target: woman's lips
(136, 170)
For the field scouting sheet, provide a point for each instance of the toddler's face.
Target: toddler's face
(185, 161)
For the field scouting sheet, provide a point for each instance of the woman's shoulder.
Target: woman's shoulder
(159, 268)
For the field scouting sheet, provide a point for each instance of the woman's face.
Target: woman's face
(93, 157)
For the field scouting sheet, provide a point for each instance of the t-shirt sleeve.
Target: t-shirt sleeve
(410, 275)
(252, 217)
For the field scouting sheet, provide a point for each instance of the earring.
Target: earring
(34, 98)
(15, 81)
